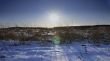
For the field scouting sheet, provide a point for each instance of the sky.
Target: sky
(51, 13)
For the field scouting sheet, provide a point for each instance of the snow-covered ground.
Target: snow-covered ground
(33, 51)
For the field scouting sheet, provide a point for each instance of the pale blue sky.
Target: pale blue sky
(73, 12)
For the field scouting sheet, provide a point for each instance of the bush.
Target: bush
(68, 37)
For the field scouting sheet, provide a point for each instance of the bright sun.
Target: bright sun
(54, 17)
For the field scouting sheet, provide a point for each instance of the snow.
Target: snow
(33, 51)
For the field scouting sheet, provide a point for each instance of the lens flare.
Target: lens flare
(56, 40)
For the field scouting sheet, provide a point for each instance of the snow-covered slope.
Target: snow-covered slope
(33, 51)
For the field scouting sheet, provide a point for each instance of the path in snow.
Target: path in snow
(58, 54)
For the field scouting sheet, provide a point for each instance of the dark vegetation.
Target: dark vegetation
(95, 34)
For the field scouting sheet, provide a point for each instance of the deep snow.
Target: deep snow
(33, 51)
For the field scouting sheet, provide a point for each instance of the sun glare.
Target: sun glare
(54, 17)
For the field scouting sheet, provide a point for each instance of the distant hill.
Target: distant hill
(83, 27)
(61, 27)
(67, 34)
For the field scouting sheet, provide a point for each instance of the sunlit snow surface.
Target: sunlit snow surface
(33, 51)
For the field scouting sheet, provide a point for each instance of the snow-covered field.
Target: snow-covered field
(33, 51)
